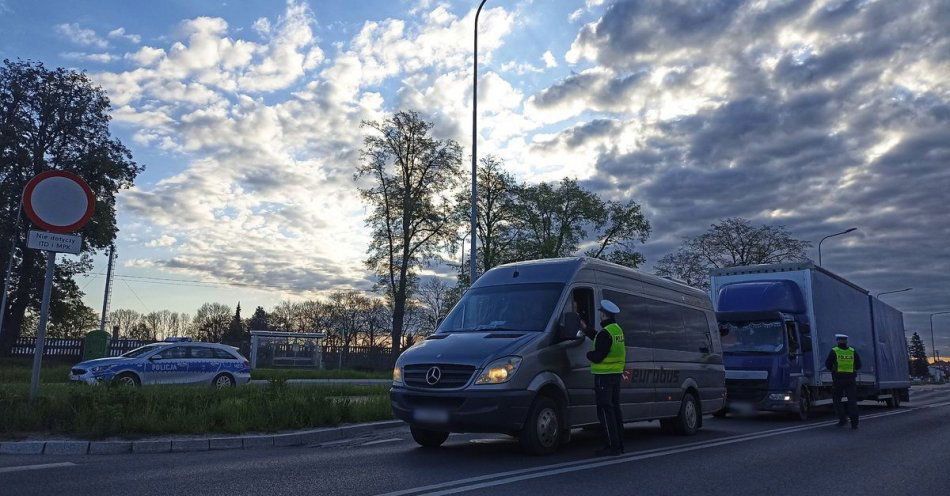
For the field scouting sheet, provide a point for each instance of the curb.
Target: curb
(299, 438)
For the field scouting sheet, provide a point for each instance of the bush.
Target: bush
(95, 412)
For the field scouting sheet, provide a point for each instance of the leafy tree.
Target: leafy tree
(211, 322)
(624, 224)
(259, 321)
(405, 174)
(918, 357)
(54, 119)
(729, 243)
(497, 198)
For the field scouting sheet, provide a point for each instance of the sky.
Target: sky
(815, 115)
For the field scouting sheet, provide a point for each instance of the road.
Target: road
(895, 452)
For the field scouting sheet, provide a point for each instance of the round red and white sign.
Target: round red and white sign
(59, 201)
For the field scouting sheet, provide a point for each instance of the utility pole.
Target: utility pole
(107, 296)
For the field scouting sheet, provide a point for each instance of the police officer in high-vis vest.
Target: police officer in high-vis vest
(844, 363)
(607, 361)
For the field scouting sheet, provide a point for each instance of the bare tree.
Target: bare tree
(211, 322)
(434, 297)
(407, 174)
(730, 243)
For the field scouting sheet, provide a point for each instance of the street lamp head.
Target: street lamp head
(852, 229)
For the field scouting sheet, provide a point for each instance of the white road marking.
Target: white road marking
(489, 480)
(4, 470)
(381, 441)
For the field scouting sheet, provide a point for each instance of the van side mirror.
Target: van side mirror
(570, 324)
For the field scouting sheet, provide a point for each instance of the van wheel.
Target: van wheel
(688, 421)
(427, 438)
(543, 428)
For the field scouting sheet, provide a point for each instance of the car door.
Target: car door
(168, 366)
(576, 373)
(202, 365)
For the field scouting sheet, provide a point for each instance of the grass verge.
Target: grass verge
(92, 412)
(18, 370)
(279, 374)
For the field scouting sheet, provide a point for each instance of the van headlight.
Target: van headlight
(499, 371)
(397, 375)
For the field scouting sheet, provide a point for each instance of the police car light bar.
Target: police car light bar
(177, 340)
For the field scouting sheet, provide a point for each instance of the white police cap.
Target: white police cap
(841, 336)
(609, 307)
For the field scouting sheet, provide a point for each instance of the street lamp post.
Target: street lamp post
(831, 236)
(892, 292)
(474, 218)
(933, 342)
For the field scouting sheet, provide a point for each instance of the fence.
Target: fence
(70, 349)
(357, 357)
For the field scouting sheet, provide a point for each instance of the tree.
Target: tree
(729, 243)
(211, 322)
(497, 197)
(126, 319)
(54, 119)
(918, 357)
(259, 321)
(624, 224)
(407, 174)
(236, 333)
(552, 219)
(433, 296)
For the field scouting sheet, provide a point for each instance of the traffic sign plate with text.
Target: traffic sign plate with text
(60, 243)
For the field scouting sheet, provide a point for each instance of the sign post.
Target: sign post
(61, 203)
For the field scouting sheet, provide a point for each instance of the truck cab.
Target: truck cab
(766, 344)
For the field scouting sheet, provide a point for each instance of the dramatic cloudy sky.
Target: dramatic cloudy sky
(819, 115)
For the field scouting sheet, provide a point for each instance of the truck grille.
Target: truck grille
(450, 376)
(747, 389)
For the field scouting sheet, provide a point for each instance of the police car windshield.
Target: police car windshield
(753, 337)
(140, 351)
(520, 307)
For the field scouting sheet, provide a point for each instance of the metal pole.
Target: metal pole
(41, 329)
(472, 264)
(6, 278)
(107, 294)
(831, 236)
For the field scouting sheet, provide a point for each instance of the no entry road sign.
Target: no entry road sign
(58, 201)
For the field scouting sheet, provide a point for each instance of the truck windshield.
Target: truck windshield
(514, 307)
(754, 337)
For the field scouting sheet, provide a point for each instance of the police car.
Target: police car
(174, 361)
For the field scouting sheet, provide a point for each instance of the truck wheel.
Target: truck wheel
(543, 428)
(804, 405)
(427, 438)
(895, 400)
(687, 422)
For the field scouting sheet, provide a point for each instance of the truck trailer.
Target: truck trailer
(777, 324)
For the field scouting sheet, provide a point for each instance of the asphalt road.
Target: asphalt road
(895, 452)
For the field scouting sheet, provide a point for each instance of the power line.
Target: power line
(137, 297)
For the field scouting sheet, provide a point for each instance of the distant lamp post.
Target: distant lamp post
(831, 236)
(892, 292)
(472, 267)
(933, 345)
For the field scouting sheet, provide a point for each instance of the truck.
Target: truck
(777, 323)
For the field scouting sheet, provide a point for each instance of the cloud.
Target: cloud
(101, 58)
(549, 60)
(81, 36)
(120, 33)
(163, 240)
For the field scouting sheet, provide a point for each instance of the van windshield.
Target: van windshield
(753, 337)
(515, 307)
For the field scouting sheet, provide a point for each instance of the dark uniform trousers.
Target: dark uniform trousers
(607, 391)
(845, 385)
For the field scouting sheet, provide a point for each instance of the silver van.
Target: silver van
(507, 358)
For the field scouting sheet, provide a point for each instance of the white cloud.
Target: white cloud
(120, 33)
(90, 57)
(163, 240)
(575, 16)
(147, 55)
(81, 36)
(549, 60)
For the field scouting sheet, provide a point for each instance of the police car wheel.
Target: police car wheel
(127, 380)
(543, 428)
(223, 381)
(427, 438)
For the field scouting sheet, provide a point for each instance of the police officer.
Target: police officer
(844, 362)
(607, 361)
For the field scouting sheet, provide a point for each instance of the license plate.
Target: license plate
(431, 416)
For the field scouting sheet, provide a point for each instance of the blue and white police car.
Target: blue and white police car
(174, 361)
